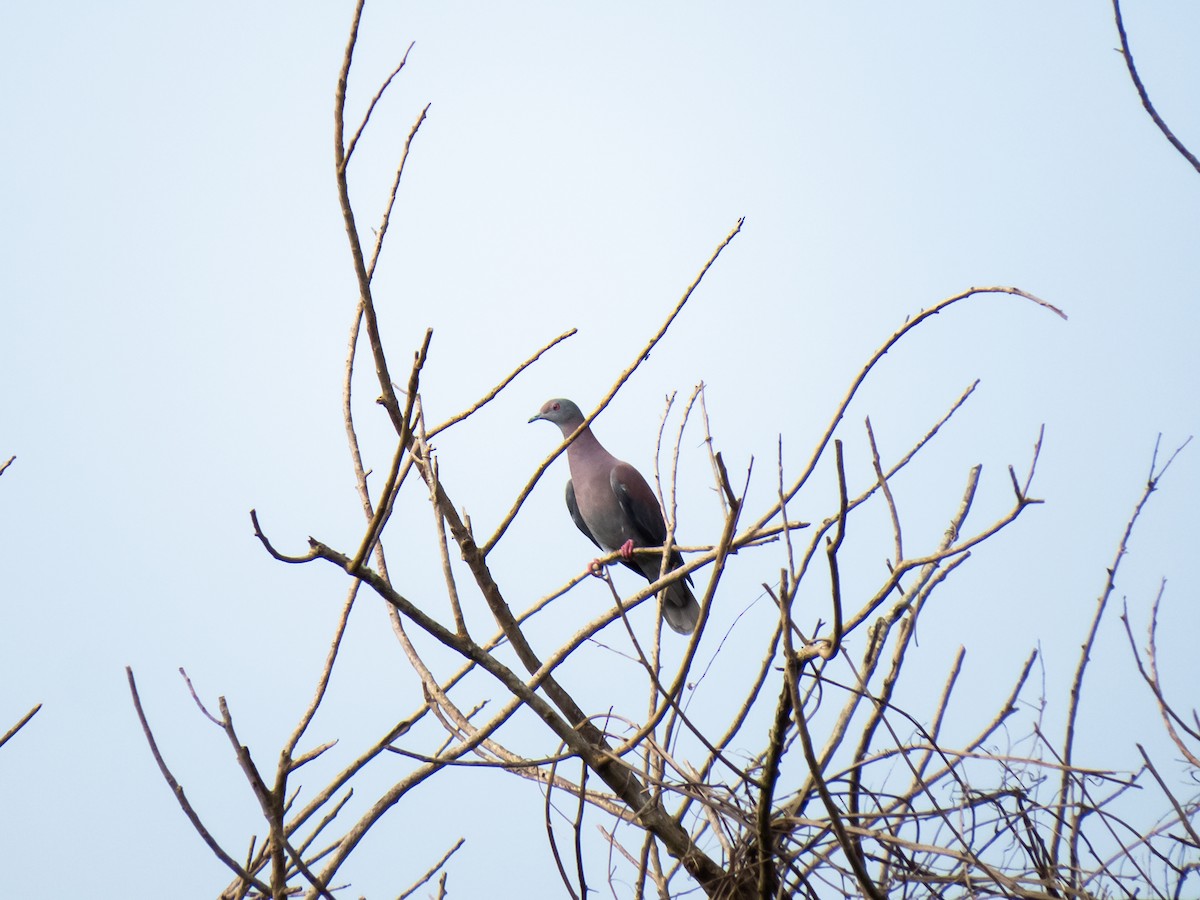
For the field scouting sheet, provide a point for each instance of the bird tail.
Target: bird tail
(680, 608)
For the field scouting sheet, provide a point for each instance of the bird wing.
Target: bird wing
(573, 509)
(640, 508)
(639, 505)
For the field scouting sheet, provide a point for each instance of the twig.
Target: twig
(270, 801)
(1184, 819)
(548, 822)
(1067, 754)
(177, 790)
(374, 100)
(385, 220)
(505, 382)
(832, 545)
(887, 492)
(258, 533)
(24, 719)
(335, 644)
(887, 345)
(1145, 97)
(865, 882)
(367, 301)
(1149, 672)
(403, 445)
(196, 698)
(433, 871)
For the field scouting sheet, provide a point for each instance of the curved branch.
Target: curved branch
(1145, 97)
(871, 363)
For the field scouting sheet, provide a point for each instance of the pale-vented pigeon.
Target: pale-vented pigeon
(612, 504)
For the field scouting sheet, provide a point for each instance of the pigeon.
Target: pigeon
(614, 507)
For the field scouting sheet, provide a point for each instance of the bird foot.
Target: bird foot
(626, 550)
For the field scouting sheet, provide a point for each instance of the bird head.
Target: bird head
(561, 412)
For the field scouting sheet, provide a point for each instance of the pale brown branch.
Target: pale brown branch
(22, 723)
(887, 492)
(430, 463)
(1148, 669)
(270, 801)
(374, 100)
(434, 870)
(505, 382)
(381, 232)
(322, 682)
(367, 301)
(403, 445)
(776, 742)
(583, 738)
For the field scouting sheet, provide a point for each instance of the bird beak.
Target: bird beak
(535, 418)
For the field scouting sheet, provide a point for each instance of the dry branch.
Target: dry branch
(1143, 95)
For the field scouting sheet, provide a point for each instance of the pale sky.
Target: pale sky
(177, 291)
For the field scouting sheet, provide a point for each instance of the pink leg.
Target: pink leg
(626, 550)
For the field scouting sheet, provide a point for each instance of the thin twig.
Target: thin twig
(24, 719)
(887, 345)
(832, 545)
(1184, 819)
(374, 100)
(504, 382)
(181, 798)
(385, 220)
(1142, 93)
(1067, 753)
(434, 870)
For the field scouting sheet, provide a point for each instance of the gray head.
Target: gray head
(561, 412)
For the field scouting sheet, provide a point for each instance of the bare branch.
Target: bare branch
(1067, 753)
(177, 790)
(374, 100)
(22, 723)
(434, 870)
(504, 382)
(385, 220)
(258, 533)
(871, 363)
(1145, 97)
(832, 545)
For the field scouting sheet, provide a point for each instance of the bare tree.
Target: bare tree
(804, 777)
